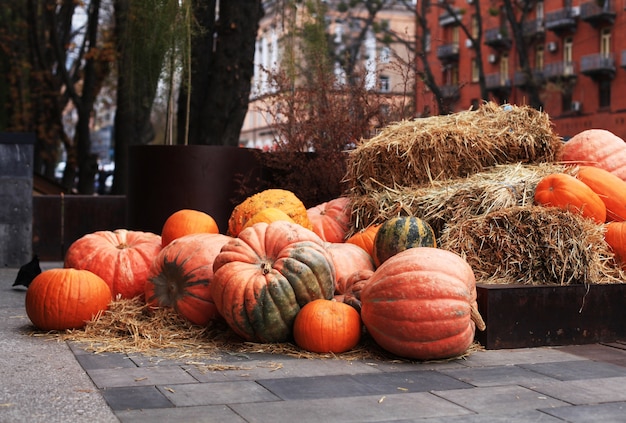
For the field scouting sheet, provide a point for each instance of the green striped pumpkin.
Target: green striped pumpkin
(399, 234)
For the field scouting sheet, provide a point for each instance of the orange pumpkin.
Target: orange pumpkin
(598, 148)
(568, 193)
(60, 299)
(610, 188)
(186, 222)
(181, 275)
(327, 326)
(331, 220)
(268, 215)
(365, 238)
(615, 237)
(277, 198)
(354, 286)
(121, 257)
(348, 259)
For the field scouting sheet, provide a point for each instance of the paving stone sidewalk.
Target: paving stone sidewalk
(51, 381)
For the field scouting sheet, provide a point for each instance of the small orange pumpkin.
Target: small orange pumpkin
(615, 237)
(331, 220)
(610, 188)
(60, 299)
(327, 326)
(187, 222)
(365, 238)
(568, 193)
(268, 215)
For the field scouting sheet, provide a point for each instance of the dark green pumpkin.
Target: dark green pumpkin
(399, 234)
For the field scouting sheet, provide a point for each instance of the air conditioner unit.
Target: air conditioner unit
(576, 106)
(492, 58)
(575, 11)
(468, 43)
(552, 47)
(470, 1)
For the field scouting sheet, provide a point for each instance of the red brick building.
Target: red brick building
(577, 52)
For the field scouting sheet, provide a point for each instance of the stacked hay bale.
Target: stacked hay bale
(472, 176)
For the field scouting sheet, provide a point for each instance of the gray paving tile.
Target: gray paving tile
(573, 370)
(216, 393)
(203, 414)
(135, 398)
(518, 356)
(140, 376)
(614, 412)
(377, 408)
(525, 416)
(496, 376)
(610, 353)
(584, 391)
(500, 399)
(92, 361)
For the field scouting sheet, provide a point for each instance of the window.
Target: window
(384, 84)
(605, 42)
(475, 73)
(539, 55)
(568, 65)
(385, 54)
(504, 69)
(475, 28)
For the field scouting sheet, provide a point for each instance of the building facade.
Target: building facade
(575, 49)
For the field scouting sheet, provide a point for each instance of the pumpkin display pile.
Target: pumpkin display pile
(390, 265)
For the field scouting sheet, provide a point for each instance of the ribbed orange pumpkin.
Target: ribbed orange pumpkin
(348, 259)
(327, 326)
(266, 275)
(568, 193)
(281, 199)
(331, 220)
(598, 148)
(181, 275)
(364, 238)
(421, 304)
(187, 222)
(121, 257)
(354, 286)
(59, 299)
(610, 188)
(615, 237)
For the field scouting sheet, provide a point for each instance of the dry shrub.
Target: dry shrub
(420, 151)
(533, 245)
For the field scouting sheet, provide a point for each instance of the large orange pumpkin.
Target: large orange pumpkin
(187, 222)
(598, 148)
(421, 304)
(121, 257)
(281, 199)
(266, 275)
(327, 326)
(364, 238)
(181, 275)
(615, 237)
(331, 220)
(59, 299)
(348, 259)
(568, 193)
(610, 188)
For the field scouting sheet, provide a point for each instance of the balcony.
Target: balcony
(533, 29)
(596, 14)
(450, 92)
(521, 80)
(562, 20)
(498, 38)
(559, 71)
(448, 18)
(498, 83)
(598, 66)
(448, 52)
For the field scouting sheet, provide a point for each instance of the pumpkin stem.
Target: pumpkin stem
(122, 246)
(477, 318)
(266, 267)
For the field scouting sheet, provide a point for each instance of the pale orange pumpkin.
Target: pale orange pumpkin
(348, 259)
(331, 220)
(598, 148)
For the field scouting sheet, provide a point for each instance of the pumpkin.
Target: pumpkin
(327, 326)
(421, 304)
(277, 198)
(401, 233)
(331, 220)
(266, 275)
(615, 237)
(598, 148)
(186, 222)
(354, 286)
(121, 257)
(181, 275)
(268, 215)
(60, 299)
(347, 259)
(364, 238)
(568, 193)
(610, 188)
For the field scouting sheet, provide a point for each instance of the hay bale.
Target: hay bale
(533, 245)
(418, 152)
(448, 201)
